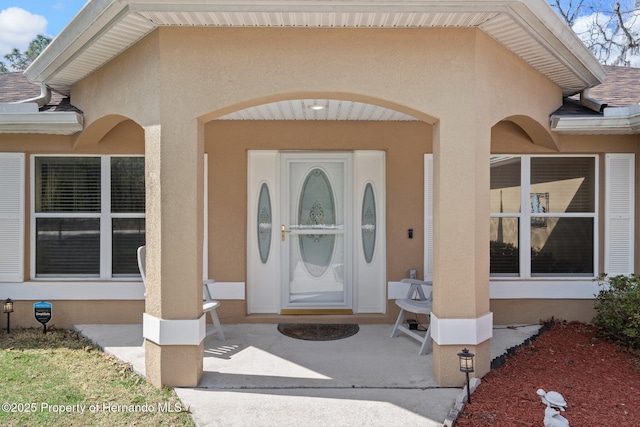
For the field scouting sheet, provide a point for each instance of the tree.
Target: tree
(610, 29)
(568, 10)
(19, 61)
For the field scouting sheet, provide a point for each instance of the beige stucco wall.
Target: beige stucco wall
(66, 313)
(128, 86)
(449, 78)
(535, 311)
(426, 72)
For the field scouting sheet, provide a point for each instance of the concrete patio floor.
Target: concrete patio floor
(259, 377)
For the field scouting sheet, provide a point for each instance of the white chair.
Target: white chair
(209, 305)
(423, 305)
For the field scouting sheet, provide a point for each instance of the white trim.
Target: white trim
(73, 291)
(547, 289)
(428, 218)
(174, 332)
(524, 216)
(58, 123)
(106, 228)
(521, 289)
(228, 290)
(101, 290)
(205, 215)
(461, 331)
(614, 121)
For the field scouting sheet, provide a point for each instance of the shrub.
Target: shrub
(618, 309)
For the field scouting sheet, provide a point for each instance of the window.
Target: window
(543, 216)
(89, 215)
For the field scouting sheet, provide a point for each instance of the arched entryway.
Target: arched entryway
(365, 151)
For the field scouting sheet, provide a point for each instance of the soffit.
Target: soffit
(105, 28)
(331, 109)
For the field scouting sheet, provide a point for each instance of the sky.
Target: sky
(22, 20)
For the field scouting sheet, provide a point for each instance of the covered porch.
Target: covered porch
(461, 78)
(259, 376)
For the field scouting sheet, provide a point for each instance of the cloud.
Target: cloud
(590, 28)
(18, 27)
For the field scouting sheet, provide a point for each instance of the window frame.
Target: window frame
(525, 215)
(105, 217)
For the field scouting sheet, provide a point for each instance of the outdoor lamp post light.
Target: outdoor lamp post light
(466, 366)
(8, 308)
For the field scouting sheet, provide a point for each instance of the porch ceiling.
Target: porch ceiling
(530, 29)
(318, 109)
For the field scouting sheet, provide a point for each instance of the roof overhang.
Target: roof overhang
(530, 29)
(25, 118)
(614, 121)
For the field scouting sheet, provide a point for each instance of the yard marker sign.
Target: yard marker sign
(42, 311)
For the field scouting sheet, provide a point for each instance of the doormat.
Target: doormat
(318, 331)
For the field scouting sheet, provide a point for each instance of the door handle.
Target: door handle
(284, 231)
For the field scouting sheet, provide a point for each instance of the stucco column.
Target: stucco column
(461, 209)
(173, 320)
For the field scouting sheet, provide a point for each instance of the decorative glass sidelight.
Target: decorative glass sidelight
(264, 223)
(368, 223)
(317, 210)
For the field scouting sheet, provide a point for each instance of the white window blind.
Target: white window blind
(619, 214)
(11, 217)
(67, 184)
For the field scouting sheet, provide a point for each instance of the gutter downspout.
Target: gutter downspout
(591, 103)
(42, 100)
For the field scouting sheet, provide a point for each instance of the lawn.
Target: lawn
(62, 379)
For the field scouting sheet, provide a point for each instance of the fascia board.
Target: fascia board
(629, 111)
(603, 125)
(547, 27)
(63, 123)
(318, 6)
(96, 17)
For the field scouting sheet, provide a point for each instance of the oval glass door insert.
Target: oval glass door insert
(264, 223)
(368, 223)
(317, 210)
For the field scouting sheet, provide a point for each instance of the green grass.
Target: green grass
(61, 379)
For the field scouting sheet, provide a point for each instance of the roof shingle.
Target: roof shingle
(15, 87)
(621, 87)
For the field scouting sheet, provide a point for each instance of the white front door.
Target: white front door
(316, 231)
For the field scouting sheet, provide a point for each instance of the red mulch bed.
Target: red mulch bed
(599, 381)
